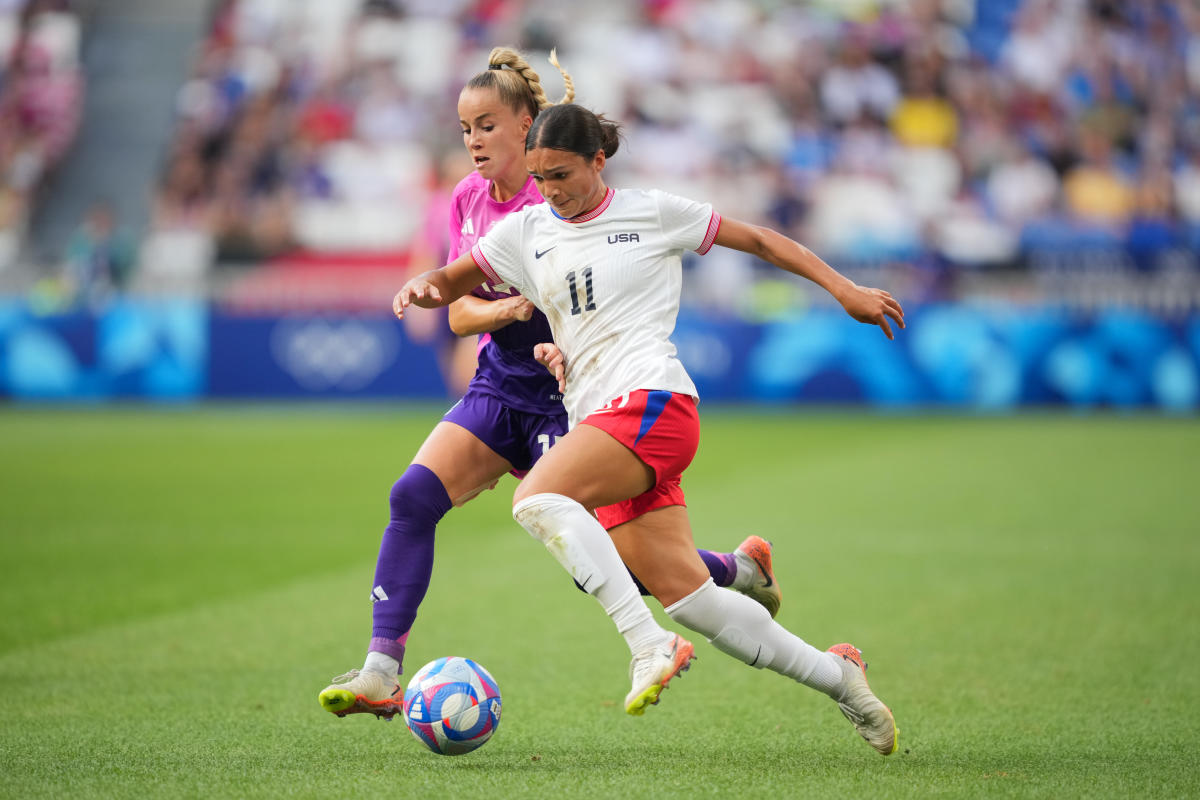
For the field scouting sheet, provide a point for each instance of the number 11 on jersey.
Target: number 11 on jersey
(590, 304)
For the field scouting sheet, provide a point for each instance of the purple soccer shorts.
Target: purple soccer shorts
(521, 437)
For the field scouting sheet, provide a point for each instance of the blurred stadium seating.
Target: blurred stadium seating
(1014, 166)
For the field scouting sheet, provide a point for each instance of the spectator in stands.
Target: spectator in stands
(1187, 189)
(923, 117)
(1096, 191)
(1039, 47)
(314, 129)
(41, 98)
(99, 256)
(1021, 187)
(856, 85)
(1153, 228)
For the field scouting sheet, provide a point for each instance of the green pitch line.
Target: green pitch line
(178, 586)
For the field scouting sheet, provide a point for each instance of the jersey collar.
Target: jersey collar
(590, 215)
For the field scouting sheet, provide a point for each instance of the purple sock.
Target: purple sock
(405, 564)
(720, 565)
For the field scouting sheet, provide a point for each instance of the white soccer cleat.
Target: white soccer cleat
(755, 577)
(363, 692)
(871, 718)
(651, 669)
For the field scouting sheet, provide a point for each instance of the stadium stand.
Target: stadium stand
(41, 96)
(946, 141)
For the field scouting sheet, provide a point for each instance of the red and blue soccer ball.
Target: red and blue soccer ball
(452, 705)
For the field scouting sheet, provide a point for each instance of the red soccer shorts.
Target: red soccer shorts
(663, 430)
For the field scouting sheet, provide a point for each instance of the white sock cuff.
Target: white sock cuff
(697, 596)
(382, 662)
(527, 511)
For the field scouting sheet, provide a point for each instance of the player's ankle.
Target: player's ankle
(382, 663)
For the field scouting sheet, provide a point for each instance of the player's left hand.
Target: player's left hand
(872, 306)
(513, 309)
(548, 355)
(413, 291)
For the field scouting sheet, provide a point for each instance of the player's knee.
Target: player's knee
(535, 512)
(413, 495)
(524, 491)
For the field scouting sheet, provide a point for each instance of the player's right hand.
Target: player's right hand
(413, 291)
(872, 306)
(548, 355)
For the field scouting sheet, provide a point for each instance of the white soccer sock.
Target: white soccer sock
(737, 625)
(584, 548)
(381, 662)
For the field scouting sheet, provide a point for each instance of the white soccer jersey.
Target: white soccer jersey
(609, 283)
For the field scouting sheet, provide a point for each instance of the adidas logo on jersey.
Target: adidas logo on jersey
(468, 227)
(623, 237)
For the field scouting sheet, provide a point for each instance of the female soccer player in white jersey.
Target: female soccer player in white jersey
(605, 268)
(512, 411)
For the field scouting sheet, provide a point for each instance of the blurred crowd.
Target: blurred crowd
(959, 134)
(41, 102)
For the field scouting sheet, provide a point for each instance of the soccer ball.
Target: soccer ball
(452, 705)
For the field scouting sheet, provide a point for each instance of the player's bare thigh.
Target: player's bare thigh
(588, 466)
(464, 464)
(658, 548)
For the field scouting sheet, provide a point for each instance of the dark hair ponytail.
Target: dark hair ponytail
(574, 129)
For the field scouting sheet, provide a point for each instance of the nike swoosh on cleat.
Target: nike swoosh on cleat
(766, 574)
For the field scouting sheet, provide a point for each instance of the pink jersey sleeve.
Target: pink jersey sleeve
(454, 223)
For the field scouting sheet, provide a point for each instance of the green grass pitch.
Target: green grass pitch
(178, 585)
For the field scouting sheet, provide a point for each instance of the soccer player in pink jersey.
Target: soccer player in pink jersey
(512, 410)
(605, 267)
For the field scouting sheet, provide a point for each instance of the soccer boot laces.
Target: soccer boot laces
(363, 692)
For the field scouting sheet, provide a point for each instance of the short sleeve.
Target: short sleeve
(454, 228)
(498, 253)
(687, 224)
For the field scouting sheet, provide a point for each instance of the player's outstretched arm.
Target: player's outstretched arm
(872, 306)
(470, 315)
(439, 287)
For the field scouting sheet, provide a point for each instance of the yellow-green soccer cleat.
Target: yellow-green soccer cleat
(755, 578)
(363, 692)
(871, 718)
(652, 669)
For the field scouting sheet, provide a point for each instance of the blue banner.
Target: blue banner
(991, 357)
(327, 356)
(132, 349)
